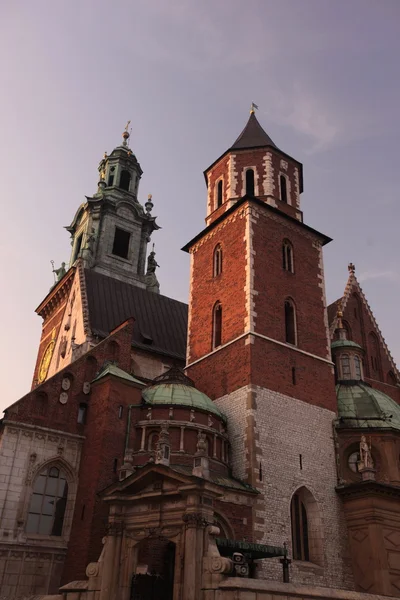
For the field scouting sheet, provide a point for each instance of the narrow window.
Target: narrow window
(287, 256)
(290, 323)
(299, 520)
(357, 367)
(301, 462)
(111, 177)
(217, 262)
(83, 512)
(82, 411)
(345, 364)
(250, 182)
(115, 465)
(217, 325)
(78, 246)
(219, 193)
(125, 180)
(121, 243)
(120, 411)
(48, 502)
(283, 188)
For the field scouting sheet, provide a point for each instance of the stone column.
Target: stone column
(112, 555)
(143, 438)
(127, 566)
(195, 524)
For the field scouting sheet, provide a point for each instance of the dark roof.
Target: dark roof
(160, 322)
(252, 136)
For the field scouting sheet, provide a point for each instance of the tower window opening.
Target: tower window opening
(82, 413)
(115, 465)
(299, 520)
(217, 262)
(125, 180)
(287, 256)
(111, 177)
(220, 185)
(290, 323)
(357, 367)
(121, 243)
(283, 185)
(78, 247)
(250, 182)
(217, 325)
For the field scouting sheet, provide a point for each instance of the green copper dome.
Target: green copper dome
(360, 405)
(345, 344)
(173, 388)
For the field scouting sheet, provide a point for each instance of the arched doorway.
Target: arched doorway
(154, 576)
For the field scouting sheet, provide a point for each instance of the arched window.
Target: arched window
(48, 501)
(357, 367)
(298, 514)
(345, 366)
(217, 262)
(217, 326)
(250, 182)
(111, 177)
(219, 193)
(287, 256)
(290, 322)
(391, 378)
(307, 534)
(125, 180)
(282, 181)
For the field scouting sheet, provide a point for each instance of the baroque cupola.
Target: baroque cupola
(256, 167)
(111, 229)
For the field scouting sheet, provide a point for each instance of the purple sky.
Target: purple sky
(326, 78)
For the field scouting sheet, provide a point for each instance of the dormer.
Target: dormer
(254, 166)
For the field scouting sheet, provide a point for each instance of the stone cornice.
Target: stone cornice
(364, 489)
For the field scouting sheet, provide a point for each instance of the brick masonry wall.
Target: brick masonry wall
(283, 429)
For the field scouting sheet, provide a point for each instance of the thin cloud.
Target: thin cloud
(389, 275)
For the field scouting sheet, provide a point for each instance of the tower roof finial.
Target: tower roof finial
(351, 267)
(126, 134)
(253, 107)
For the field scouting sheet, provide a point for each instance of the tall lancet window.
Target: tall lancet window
(283, 188)
(217, 326)
(220, 188)
(290, 322)
(217, 263)
(250, 182)
(287, 256)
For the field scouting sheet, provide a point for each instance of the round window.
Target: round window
(353, 461)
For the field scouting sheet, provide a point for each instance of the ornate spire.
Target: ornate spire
(126, 135)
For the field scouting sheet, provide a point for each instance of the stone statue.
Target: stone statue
(201, 443)
(91, 238)
(151, 263)
(365, 454)
(59, 273)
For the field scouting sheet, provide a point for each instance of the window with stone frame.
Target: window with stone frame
(290, 322)
(345, 366)
(306, 525)
(298, 514)
(357, 367)
(283, 188)
(121, 243)
(217, 326)
(250, 182)
(48, 502)
(220, 189)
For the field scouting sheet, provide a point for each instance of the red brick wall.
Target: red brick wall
(227, 288)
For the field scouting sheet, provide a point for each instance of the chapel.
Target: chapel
(242, 446)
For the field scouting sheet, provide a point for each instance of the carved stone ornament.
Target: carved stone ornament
(86, 387)
(63, 398)
(195, 520)
(192, 416)
(66, 383)
(115, 528)
(92, 570)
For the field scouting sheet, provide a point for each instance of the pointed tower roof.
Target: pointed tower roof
(252, 136)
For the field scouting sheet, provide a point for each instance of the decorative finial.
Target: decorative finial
(149, 204)
(253, 107)
(339, 315)
(126, 134)
(351, 268)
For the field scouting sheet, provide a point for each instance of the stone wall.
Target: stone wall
(32, 564)
(284, 444)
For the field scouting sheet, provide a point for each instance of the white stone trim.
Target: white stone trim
(249, 322)
(209, 194)
(288, 188)
(256, 178)
(268, 182)
(232, 177)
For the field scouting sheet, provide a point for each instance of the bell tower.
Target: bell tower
(111, 230)
(258, 345)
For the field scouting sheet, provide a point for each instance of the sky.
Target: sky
(325, 75)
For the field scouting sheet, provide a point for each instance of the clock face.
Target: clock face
(45, 362)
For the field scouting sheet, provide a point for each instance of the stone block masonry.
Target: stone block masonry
(282, 444)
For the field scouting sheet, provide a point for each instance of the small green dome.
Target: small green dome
(173, 388)
(360, 405)
(345, 344)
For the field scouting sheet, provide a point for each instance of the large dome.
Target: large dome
(362, 406)
(173, 388)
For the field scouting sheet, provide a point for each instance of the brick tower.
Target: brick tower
(258, 345)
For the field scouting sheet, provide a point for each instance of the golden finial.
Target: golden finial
(253, 107)
(126, 134)
(127, 125)
(150, 196)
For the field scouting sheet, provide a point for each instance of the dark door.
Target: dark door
(156, 586)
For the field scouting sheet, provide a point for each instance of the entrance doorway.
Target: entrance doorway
(154, 577)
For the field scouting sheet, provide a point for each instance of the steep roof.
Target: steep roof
(252, 136)
(160, 322)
